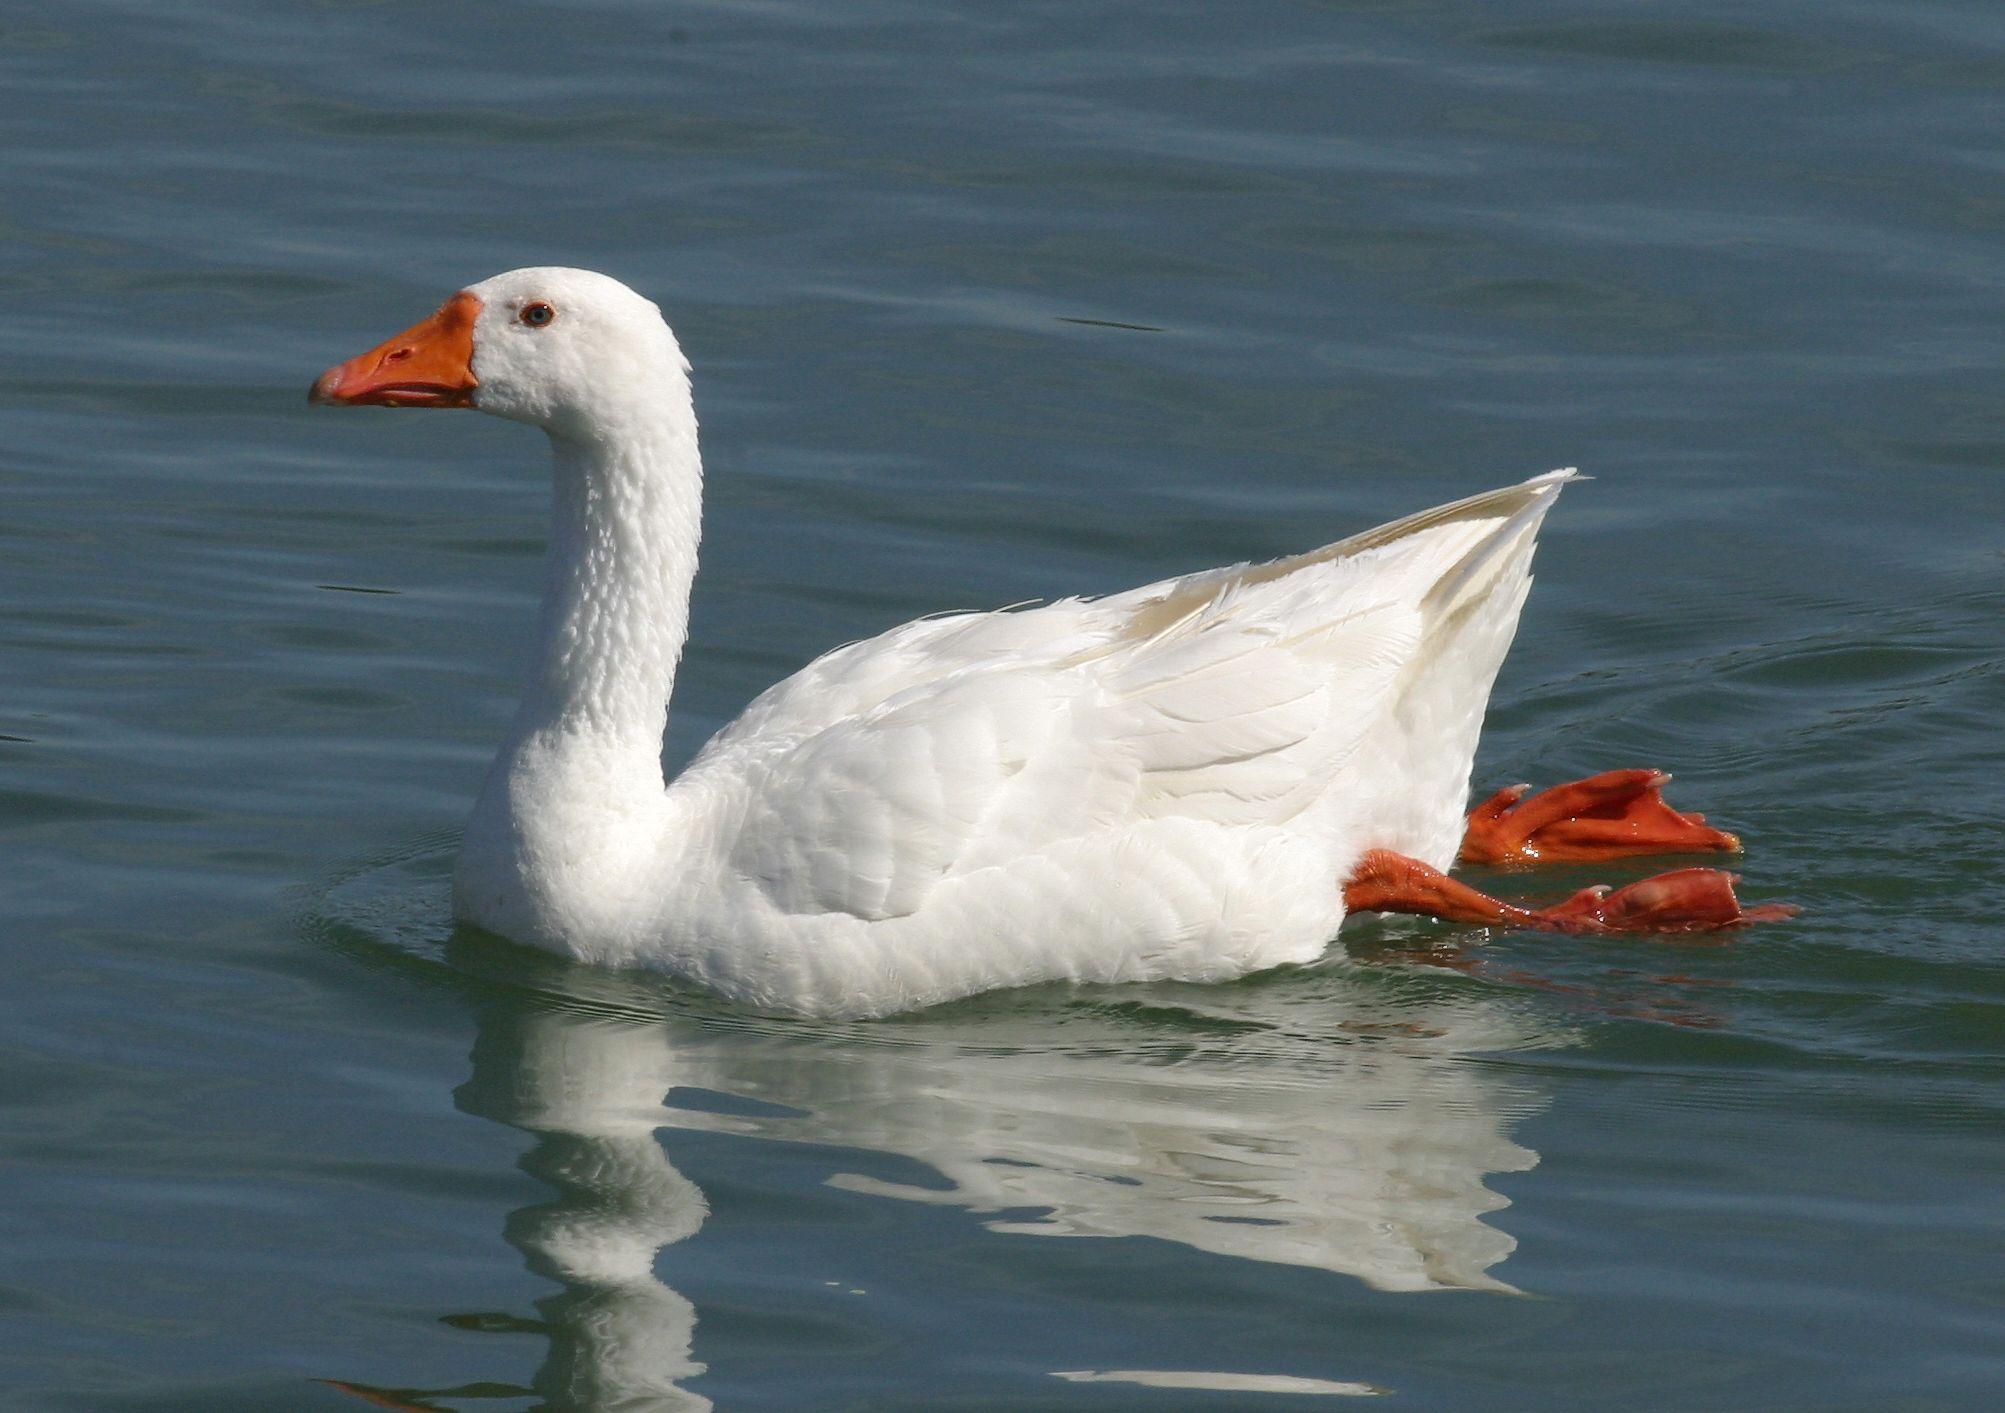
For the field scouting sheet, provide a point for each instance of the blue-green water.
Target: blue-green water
(987, 303)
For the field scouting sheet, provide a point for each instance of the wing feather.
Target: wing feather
(1235, 697)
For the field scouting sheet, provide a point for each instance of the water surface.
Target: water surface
(992, 303)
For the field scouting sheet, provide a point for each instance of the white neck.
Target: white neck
(574, 808)
(626, 516)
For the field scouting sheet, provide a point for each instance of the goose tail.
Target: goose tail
(1478, 555)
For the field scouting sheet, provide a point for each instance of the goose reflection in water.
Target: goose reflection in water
(1331, 1119)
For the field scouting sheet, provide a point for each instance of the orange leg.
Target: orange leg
(389, 1398)
(1614, 815)
(1688, 900)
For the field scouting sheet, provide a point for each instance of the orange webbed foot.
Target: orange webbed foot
(1616, 814)
(1685, 900)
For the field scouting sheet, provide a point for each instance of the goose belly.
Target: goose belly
(1165, 900)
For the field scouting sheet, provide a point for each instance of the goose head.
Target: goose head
(571, 351)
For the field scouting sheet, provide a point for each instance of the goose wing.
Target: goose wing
(1235, 697)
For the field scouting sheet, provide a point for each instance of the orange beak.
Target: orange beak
(428, 365)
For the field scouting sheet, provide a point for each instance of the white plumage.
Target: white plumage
(1172, 782)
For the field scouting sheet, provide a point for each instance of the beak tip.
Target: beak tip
(325, 389)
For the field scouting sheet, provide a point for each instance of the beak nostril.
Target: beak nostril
(397, 355)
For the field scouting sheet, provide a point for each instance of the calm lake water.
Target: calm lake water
(990, 303)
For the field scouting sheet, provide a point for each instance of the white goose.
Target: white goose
(1191, 780)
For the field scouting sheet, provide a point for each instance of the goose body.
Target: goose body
(1172, 782)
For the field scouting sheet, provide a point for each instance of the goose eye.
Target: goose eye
(536, 315)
